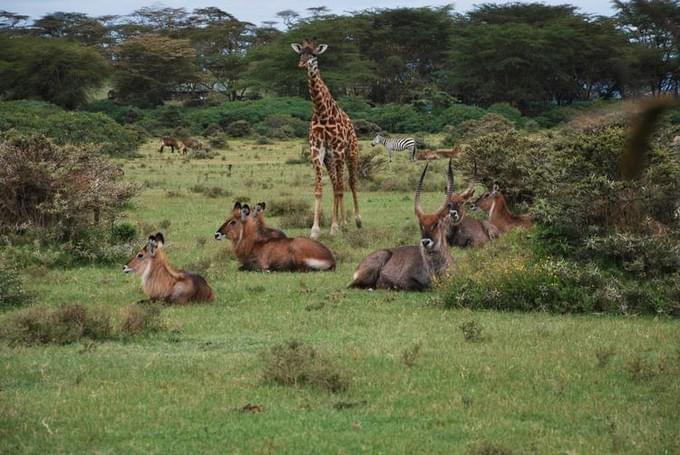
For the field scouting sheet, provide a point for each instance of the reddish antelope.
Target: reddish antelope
(169, 142)
(298, 254)
(412, 268)
(500, 215)
(468, 231)
(160, 281)
(190, 144)
(264, 232)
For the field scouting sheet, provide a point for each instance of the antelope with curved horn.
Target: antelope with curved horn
(500, 215)
(162, 282)
(263, 231)
(413, 268)
(299, 254)
(468, 231)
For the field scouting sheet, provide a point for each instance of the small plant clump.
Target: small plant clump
(472, 331)
(298, 364)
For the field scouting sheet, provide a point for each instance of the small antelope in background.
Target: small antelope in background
(468, 231)
(500, 215)
(190, 144)
(299, 254)
(263, 231)
(169, 142)
(160, 281)
(413, 268)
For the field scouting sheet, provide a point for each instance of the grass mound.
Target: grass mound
(296, 363)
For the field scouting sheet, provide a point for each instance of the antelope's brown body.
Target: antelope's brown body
(469, 231)
(160, 281)
(500, 216)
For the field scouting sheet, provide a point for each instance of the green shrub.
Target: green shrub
(298, 364)
(506, 110)
(12, 291)
(39, 324)
(141, 318)
(79, 128)
(61, 192)
(365, 128)
(239, 128)
(472, 129)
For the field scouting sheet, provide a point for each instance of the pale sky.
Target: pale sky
(254, 11)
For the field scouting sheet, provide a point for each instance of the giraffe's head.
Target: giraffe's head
(308, 51)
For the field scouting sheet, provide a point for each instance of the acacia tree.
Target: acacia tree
(654, 32)
(150, 67)
(54, 70)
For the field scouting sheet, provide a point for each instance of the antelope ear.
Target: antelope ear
(151, 246)
(495, 188)
(320, 49)
(160, 240)
(467, 194)
(237, 206)
(297, 48)
(263, 205)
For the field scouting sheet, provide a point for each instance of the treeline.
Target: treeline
(527, 55)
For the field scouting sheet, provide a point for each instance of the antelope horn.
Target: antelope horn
(450, 188)
(419, 189)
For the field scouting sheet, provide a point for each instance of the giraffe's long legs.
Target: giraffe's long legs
(353, 170)
(316, 154)
(340, 187)
(330, 160)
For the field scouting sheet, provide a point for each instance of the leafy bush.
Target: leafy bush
(280, 126)
(365, 128)
(137, 318)
(508, 112)
(59, 191)
(40, 324)
(79, 128)
(12, 291)
(472, 129)
(239, 128)
(296, 363)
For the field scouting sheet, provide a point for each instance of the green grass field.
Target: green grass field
(533, 383)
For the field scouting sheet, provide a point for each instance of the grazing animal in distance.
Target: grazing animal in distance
(162, 282)
(412, 268)
(500, 215)
(263, 231)
(169, 142)
(468, 231)
(396, 144)
(190, 144)
(427, 155)
(332, 141)
(299, 254)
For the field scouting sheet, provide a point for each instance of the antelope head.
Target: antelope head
(433, 226)
(232, 228)
(142, 260)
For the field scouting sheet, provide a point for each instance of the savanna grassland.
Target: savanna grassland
(419, 377)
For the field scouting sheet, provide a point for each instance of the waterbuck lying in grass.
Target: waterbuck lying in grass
(160, 281)
(412, 268)
(500, 215)
(468, 231)
(256, 252)
(263, 231)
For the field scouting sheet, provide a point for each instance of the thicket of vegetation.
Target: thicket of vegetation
(529, 55)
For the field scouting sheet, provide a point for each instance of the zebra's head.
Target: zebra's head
(377, 140)
(308, 52)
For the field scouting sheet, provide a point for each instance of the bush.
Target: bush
(280, 126)
(79, 128)
(472, 129)
(12, 291)
(296, 363)
(138, 318)
(239, 128)
(39, 324)
(60, 192)
(365, 128)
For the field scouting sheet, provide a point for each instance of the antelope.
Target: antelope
(162, 282)
(500, 215)
(169, 142)
(189, 143)
(413, 268)
(263, 231)
(468, 231)
(299, 254)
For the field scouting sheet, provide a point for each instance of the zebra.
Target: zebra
(396, 144)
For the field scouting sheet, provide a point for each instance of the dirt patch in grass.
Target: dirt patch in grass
(298, 364)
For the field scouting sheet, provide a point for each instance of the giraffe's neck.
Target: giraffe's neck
(324, 104)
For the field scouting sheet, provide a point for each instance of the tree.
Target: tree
(10, 20)
(76, 26)
(150, 67)
(53, 70)
(654, 56)
(288, 16)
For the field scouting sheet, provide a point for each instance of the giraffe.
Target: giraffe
(332, 140)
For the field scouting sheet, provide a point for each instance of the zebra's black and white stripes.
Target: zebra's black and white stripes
(396, 144)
